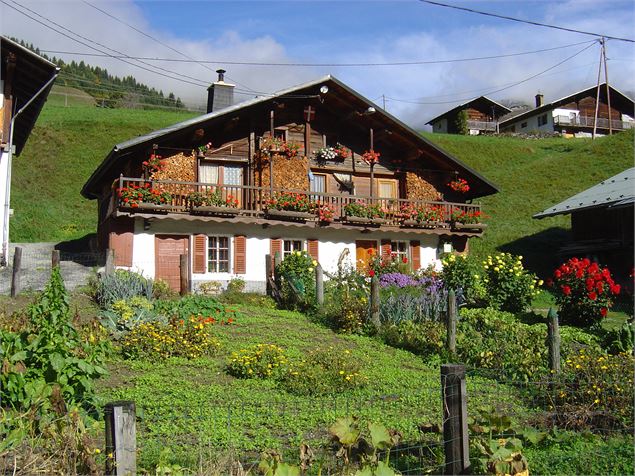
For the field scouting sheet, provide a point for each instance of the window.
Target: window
(387, 188)
(318, 183)
(289, 246)
(218, 254)
(208, 173)
(542, 120)
(399, 251)
(523, 125)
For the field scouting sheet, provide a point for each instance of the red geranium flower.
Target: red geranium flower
(566, 289)
(593, 296)
(371, 273)
(604, 311)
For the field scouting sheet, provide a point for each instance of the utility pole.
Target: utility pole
(597, 95)
(606, 80)
(383, 99)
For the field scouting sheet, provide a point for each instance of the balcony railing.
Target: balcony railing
(482, 125)
(587, 121)
(252, 201)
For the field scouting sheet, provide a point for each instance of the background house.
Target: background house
(246, 166)
(574, 115)
(602, 223)
(482, 116)
(25, 81)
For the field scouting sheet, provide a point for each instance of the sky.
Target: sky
(323, 36)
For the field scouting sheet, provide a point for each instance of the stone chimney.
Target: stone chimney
(220, 94)
(540, 100)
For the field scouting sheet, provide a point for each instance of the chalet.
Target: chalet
(601, 222)
(316, 167)
(25, 81)
(482, 116)
(574, 115)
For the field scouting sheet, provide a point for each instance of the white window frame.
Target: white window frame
(397, 254)
(292, 242)
(208, 261)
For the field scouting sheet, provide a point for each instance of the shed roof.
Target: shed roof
(499, 108)
(32, 72)
(618, 190)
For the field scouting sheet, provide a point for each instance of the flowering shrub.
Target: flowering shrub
(270, 146)
(339, 152)
(595, 385)
(190, 338)
(323, 371)
(124, 315)
(508, 286)
(371, 157)
(421, 304)
(291, 201)
(363, 209)
(460, 273)
(325, 212)
(259, 361)
(583, 291)
(426, 213)
(461, 216)
(426, 338)
(212, 199)
(155, 163)
(346, 299)
(379, 264)
(459, 185)
(134, 195)
(297, 271)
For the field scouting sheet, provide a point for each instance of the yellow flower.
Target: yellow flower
(341, 372)
(540, 282)
(97, 451)
(314, 263)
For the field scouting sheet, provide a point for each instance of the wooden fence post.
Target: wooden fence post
(268, 273)
(374, 302)
(553, 338)
(185, 274)
(121, 438)
(319, 285)
(110, 262)
(17, 271)
(451, 324)
(55, 258)
(455, 435)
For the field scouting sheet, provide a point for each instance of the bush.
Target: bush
(322, 372)
(583, 291)
(425, 301)
(124, 315)
(49, 356)
(460, 273)
(236, 285)
(190, 338)
(194, 305)
(121, 285)
(421, 338)
(508, 286)
(296, 280)
(260, 361)
(162, 290)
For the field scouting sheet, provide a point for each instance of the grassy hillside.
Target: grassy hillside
(531, 175)
(65, 147)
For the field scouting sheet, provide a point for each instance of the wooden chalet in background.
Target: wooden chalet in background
(482, 116)
(574, 115)
(272, 147)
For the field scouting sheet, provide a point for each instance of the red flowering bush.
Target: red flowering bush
(459, 185)
(325, 212)
(134, 195)
(583, 291)
(295, 202)
(426, 213)
(461, 216)
(371, 157)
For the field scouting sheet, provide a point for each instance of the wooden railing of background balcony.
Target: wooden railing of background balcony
(587, 121)
(253, 200)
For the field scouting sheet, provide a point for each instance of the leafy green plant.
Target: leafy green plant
(120, 285)
(460, 273)
(124, 315)
(236, 285)
(508, 286)
(194, 305)
(460, 122)
(296, 280)
(363, 209)
(260, 361)
(212, 199)
(425, 338)
(162, 290)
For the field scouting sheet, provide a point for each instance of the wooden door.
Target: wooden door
(168, 251)
(364, 252)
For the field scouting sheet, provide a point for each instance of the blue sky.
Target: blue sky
(350, 32)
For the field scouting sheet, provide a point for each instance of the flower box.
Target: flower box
(146, 208)
(422, 224)
(364, 220)
(469, 226)
(215, 210)
(289, 214)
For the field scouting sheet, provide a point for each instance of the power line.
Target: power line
(530, 22)
(503, 88)
(145, 105)
(303, 65)
(90, 46)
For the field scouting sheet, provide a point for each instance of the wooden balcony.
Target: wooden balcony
(587, 121)
(251, 204)
(482, 125)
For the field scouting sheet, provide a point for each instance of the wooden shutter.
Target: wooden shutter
(199, 260)
(240, 254)
(275, 247)
(415, 255)
(312, 248)
(386, 250)
(121, 241)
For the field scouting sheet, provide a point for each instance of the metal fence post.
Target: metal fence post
(451, 322)
(319, 285)
(455, 433)
(374, 302)
(553, 338)
(185, 274)
(55, 258)
(121, 438)
(17, 271)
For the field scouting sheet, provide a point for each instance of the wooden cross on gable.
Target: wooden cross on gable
(309, 113)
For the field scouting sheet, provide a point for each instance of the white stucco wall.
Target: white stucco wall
(330, 246)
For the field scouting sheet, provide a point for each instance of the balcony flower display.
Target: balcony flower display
(363, 209)
(135, 195)
(325, 212)
(204, 148)
(371, 157)
(291, 201)
(155, 163)
(466, 218)
(423, 214)
(212, 199)
(459, 185)
(339, 152)
(270, 146)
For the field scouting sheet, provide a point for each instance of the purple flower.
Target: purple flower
(396, 279)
